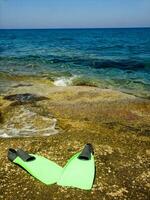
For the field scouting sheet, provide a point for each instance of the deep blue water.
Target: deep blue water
(107, 58)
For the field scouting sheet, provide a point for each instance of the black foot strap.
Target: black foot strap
(86, 152)
(24, 155)
(12, 154)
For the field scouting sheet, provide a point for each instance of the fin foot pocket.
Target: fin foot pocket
(86, 152)
(24, 155)
(12, 154)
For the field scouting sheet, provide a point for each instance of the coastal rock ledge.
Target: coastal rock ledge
(117, 124)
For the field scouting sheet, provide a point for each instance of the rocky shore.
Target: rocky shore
(117, 124)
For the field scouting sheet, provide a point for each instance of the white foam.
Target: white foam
(4, 135)
(63, 81)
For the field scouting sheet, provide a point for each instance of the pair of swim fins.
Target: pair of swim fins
(79, 171)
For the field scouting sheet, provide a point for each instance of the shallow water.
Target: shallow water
(107, 58)
(23, 122)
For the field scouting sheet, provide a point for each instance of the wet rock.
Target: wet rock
(24, 98)
(1, 118)
(22, 85)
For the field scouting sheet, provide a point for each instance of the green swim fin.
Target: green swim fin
(41, 168)
(80, 170)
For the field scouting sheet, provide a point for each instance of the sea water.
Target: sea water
(106, 58)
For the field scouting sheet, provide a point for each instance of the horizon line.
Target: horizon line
(51, 28)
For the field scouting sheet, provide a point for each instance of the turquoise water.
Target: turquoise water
(106, 58)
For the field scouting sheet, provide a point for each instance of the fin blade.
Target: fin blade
(78, 173)
(41, 168)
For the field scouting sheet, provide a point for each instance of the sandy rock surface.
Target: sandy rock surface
(117, 124)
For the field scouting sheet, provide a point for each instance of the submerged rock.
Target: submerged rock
(22, 85)
(24, 98)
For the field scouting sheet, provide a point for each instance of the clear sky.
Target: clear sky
(74, 13)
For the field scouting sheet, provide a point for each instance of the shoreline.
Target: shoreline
(12, 81)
